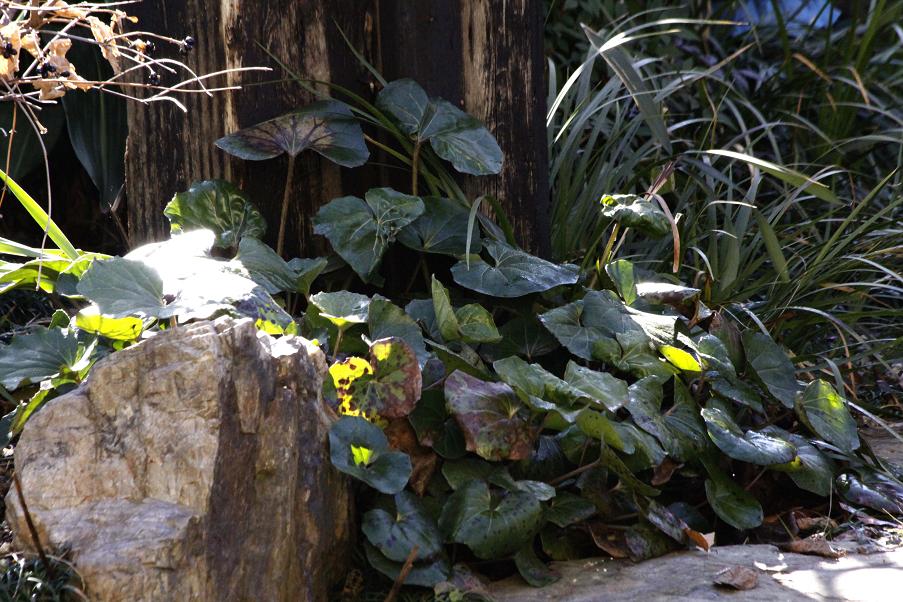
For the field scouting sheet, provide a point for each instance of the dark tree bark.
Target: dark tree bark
(484, 56)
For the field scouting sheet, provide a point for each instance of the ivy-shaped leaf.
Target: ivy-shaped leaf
(360, 230)
(751, 446)
(39, 355)
(327, 127)
(512, 273)
(396, 534)
(603, 388)
(490, 416)
(360, 449)
(435, 428)
(824, 411)
(733, 504)
(386, 386)
(219, 206)
(342, 308)
(810, 470)
(632, 211)
(491, 526)
(454, 135)
(441, 229)
(771, 366)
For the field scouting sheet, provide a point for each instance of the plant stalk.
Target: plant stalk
(415, 164)
(283, 215)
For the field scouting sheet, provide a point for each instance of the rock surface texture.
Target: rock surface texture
(192, 466)
(783, 577)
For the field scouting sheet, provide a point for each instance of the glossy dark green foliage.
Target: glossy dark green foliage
(219, 206)
(360, 449)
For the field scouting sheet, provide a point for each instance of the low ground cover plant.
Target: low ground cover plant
(501, 409)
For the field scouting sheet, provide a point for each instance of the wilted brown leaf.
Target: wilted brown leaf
(9, 61)
(737, 577)
(402, 437)
(611, 541)
(697, 538)
(106, 38)
(815, 545)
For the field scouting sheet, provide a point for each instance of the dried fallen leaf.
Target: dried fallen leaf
(63, 76)
(737, 577)
(815, 545)
(610, 541)
(697, 538)
(402, 437)
(815, 523)
(663, 472)
(106, 38)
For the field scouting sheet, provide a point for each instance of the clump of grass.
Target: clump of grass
(26, 578)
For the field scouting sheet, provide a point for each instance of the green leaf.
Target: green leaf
(685, 424)
(388, 385)
(395, 535)
(265, 266)
(785, 174)
(91, 320)
(621, 273)
(490, 526)
(42, 354)
(40, 217)
(824, 411)
(360, 230)
(751, 446)
(600, 427)
(490, 416)
(446, 320)
(665, 293)
(601, 387)
(306, 271)
(644, 543)
(733, 504)
(435, 428)
(441, 229)
(644, 402)
(387, 471)
(535, 382)
(327, 127)
(385, 319)
(810, 470)
(342, 308)
(424, 574)
(532, 569)
(476, 325)
(215, 205)
(610, 460)
(524, 336)
(567, 324)
(512, 273)
(459, 473)
(124, 287)
(454, 135)
(771, 366)
(632, 211)
(567, 509)
(680, 359)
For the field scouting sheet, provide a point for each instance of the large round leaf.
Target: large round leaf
(327, 127)
(360, 449)
(441, 229)
(342, 308)
(215, 205)
(824, 411)
(360, 230)
(491, 526)
(395, 535)
(42, 354)
(490, 416)
(124, 287)
(384, 319)
(455, 136)
(388, 385)
(733, 504)
(605, 389)
(751, 446)
(512, 273)
(810, 470)
(435, 428)
(632, 211)
(771, 366)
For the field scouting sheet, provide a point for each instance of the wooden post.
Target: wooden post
(484, 55)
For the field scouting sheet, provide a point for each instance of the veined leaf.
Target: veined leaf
(385, 470)
(218, 206)
(825, 412)
(513, 273)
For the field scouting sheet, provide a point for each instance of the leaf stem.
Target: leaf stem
(415, 164)
(338, 342)
(283, 215)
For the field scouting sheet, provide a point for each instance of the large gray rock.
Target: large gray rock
(783, 577)
(192, 466)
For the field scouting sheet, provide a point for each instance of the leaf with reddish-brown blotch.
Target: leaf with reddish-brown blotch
(664, 471)
(491, 417)
(814, 545)
(402, 437)
(737, 577)
(386, 386)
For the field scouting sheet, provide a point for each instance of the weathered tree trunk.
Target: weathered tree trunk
(484, 56)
